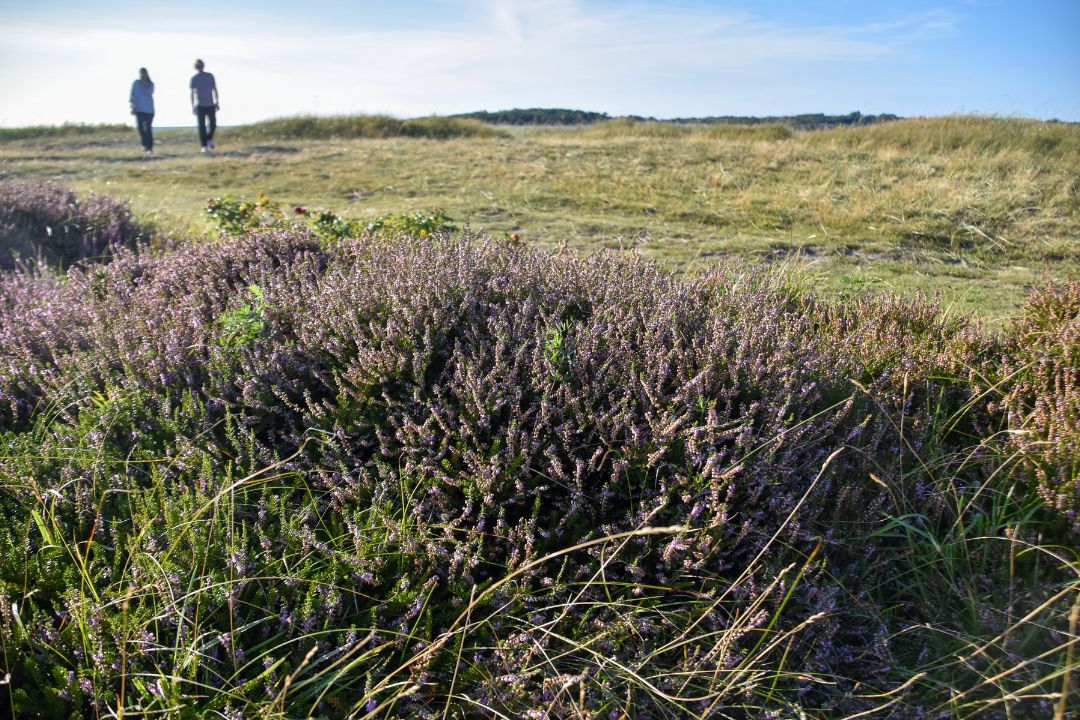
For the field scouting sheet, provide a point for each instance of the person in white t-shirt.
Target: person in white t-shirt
(142, 107)
(204, 102)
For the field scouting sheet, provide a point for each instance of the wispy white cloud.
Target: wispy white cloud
(642, 58)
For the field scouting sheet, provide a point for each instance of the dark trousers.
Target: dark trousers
(144, 121)
(206, 134)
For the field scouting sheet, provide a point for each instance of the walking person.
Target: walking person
(204, 101)
(142, 107)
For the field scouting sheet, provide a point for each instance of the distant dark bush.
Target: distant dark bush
(805, 121)
(559, 116)
(48, 222)
(536, 116)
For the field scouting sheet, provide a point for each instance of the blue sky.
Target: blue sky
(74, 61)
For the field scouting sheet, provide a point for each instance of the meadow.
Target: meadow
(654, 458)
(978, 209)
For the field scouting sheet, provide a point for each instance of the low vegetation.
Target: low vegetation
(966, 137)
(559, 116)
(537, 116)
(806, 121)
(353, 127)
(47, 223)
(273, 474)
(978, 209)
(640, 129)
(67, 130)
(236, 216)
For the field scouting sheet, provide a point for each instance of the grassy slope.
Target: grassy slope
(980, 209)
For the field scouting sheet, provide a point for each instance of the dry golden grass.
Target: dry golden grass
(980, 209)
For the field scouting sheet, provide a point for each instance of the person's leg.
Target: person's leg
(202, 125)
(142, 120)
(149, 131)
(212, 113)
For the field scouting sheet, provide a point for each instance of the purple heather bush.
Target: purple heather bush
(397, 473)
(1040, 384)
(42, 221)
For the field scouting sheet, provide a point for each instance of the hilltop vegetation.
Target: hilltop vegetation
(274, 475)
(353, 127)
(806, 121)
(67, 130)
(559, 116)
(536, 116)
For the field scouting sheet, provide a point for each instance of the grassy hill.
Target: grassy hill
(980, 209)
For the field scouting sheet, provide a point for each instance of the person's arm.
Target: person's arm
(213, 89)
(194, 106)
(131, 98)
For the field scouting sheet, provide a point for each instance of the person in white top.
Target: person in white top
(142, 107)
(204, 102)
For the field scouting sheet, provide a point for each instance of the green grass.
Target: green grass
(36, 132)
(980, 209)
(625, 128)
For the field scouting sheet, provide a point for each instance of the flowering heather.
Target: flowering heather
(401, 476)
(41, 220)
(1041, 387)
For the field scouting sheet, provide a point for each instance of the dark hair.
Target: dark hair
(144, 71)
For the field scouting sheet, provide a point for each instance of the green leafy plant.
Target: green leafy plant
(557, 350)
(330, 226)
(234, 216)
(242, 326)
(415, 224)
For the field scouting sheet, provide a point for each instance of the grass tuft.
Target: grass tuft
(355, 127)
(67, 130)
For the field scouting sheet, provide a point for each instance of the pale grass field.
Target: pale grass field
(978, 209)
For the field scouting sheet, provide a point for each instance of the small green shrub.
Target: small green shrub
(243, 325)
(233, 216)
